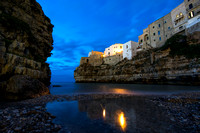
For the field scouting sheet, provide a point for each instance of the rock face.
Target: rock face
(147, 67)
(25, 44)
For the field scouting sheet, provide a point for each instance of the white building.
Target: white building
(130, 49)
(113, 50)
(193, 21)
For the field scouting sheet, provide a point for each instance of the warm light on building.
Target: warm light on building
(113, 50)
(122, 121)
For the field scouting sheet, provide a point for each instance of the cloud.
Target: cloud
(81, 27)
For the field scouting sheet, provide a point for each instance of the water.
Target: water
(87, 88)
(113, 115)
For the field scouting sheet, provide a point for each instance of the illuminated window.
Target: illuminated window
(191, 14)
(177, 16)
(120, 47)
(181, 14)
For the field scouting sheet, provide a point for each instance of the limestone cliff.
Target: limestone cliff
(25, 44)
(149, 67)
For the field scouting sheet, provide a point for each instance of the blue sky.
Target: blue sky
(81, 26)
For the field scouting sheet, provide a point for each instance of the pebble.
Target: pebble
(31, 115)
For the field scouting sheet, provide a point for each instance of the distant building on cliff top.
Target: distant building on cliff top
(130, 49)
(94, 58)
(113, 50)
(184, 19)
(178, 21)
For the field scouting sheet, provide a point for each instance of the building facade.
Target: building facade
(157, 33)
(179, 19)
(113, 60)
(130, 49)
(113, 50)
(192, 8)
(95, 59)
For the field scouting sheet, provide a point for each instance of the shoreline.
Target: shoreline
(31, 115)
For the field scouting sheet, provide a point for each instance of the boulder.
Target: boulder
(24, 87)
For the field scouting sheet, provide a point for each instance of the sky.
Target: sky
(81, 26)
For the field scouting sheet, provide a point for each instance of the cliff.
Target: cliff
(25, 44)
(177, 62)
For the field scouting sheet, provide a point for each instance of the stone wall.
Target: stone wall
(113, 60)
(25, 44)
(95, 58)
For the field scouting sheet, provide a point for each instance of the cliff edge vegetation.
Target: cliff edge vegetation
(25, 44)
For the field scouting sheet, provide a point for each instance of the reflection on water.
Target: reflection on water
(104, 113)
(122, 121)
(110, 115)
(78, 88)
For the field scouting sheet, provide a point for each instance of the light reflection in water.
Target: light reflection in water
(104, 113)
(122, 91)
(122, 121)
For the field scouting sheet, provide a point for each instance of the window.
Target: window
(120, 47)
(108, 53)
(154, 34)
(141, 41)
(153, 27)
(159, 25)
(154, 40)
(181, 14)
(169, 28)
(177, 16)
(160, 38)
(190, 6)
(181, 27)
(147, 38)
(126, 46)
(166, 35)
(165, 22)
(191, 14)
(158, 32)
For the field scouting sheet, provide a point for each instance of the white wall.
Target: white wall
(113, 49)
(193, 21)
(130, 49)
